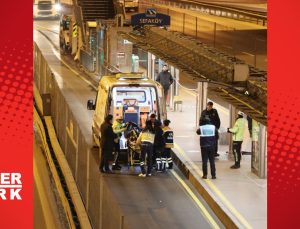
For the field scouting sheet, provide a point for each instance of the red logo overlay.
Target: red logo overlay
(10, 186)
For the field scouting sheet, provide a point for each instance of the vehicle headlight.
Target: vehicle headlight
(57, 7)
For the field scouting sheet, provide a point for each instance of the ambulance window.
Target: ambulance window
(137, 94)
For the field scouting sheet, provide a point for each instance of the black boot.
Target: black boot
(116, 167)
(235, 166)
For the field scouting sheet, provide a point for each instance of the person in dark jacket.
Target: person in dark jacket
(106, 143)
(165, 79)
(207, 141)
(167, 161)
(145, 141)
(213, 115)
(159, 145)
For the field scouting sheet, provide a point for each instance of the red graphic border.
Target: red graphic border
(16, 109)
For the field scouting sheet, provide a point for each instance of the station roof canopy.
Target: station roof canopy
(204, 63)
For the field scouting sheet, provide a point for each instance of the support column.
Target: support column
(149, 65)
(152, 67)
(232, 117)
(201, 100)
(172, 89)
(263, 152)
(176, 76)
(259, 149)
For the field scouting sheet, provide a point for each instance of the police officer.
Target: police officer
(107, 143)
(169, 143)
(207, 143)
(118, 128)
(213, 115)
(146, 141)
(237, 137)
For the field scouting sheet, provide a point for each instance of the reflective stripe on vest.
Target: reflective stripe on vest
(207, 131)
(169, 138)
(147, 137)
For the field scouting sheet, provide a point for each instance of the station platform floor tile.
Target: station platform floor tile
(239, 192)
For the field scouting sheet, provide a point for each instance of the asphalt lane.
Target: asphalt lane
(158, 202)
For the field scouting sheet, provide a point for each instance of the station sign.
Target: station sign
(150, 17)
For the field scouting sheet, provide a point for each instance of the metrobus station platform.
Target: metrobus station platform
(237, 197)
(237, 193)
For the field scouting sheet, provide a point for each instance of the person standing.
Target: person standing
(158, 145)
(207, 143)
(165, 79)
(237, 137)
(118, 129)
(169, 144)
(213, 115)
(146, 141)
(153, 122)
(106, 143)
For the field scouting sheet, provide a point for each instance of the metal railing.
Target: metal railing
(216, 10)
(87, 60)
(247, 45)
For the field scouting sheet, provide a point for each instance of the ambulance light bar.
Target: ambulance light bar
(136, 75)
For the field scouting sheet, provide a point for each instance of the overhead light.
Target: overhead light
(57, 7)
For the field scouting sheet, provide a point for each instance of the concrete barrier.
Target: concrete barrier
(76, 143)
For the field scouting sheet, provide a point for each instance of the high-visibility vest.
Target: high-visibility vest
(207, 130)
(147, 137)
(207, 135)
(238, 130)
(117, 127)
(168, 137)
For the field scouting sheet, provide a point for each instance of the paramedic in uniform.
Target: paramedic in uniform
(118, 129)
(237, 137)
(207, 132)
(169, 143)
(146, 141)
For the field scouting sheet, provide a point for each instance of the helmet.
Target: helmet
(241, 113)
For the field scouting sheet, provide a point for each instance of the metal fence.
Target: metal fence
(247, 45)
(87, 60)
(256, 16)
